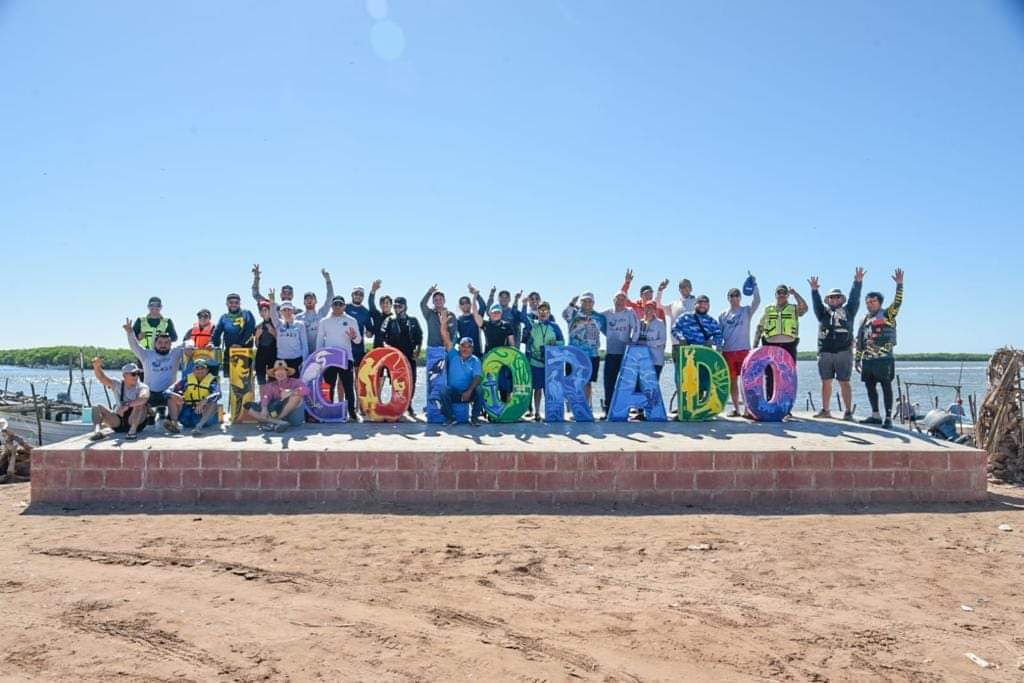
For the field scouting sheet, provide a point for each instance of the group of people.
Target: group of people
(284, 334)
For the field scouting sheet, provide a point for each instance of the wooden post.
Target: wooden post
(81, 377)
(39, 420)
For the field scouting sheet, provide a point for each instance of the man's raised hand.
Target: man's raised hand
(898, 276)
(858, 275)
(127, 327)
(375, 286)
(813, 282)
(256, 269)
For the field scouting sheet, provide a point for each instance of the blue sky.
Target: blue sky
(154, 148)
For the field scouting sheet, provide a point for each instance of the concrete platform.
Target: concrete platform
(729, 462)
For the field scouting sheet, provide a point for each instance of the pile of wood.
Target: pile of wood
(1000, 426)
(15, 455)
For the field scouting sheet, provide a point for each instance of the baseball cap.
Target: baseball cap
(200, 363)
(130, 369)
(587, 295)
(646, 288)
(338, 299)
(495, 308)
(465, 340)
(155, 301)
(287, 306)
(400, 301)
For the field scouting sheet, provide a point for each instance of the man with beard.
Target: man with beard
(404, 333)
(835, 342)
(235, 329)
(311, 315)
(361, 313)
(585, 328)
(160, 364)
(875, 341)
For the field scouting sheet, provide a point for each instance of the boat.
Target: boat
(58, 420)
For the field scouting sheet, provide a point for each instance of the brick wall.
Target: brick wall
(686, 478)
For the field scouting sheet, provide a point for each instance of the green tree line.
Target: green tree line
(63, 356)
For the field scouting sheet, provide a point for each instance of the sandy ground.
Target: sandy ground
(589, 595)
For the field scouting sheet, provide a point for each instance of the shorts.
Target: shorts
(595, 365)
(837, 365)
(734, 359)
(294, 363)
(123, 426)
(158, 399)
(538, 375)
(189, 417)
(878, 370)
(294, 418)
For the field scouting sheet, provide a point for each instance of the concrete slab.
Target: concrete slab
(724, 434)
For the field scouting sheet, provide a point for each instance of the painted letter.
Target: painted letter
(519, 398)
(370, 379)
(778, 362)
(697, 403)
(559, 387)
(312, 375)
(437, 381)
(637, 366)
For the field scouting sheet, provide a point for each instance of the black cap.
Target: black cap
(400, 300)
(338, 299)
(646, 288)
(204, 311)
(155, 301)
(232, 295)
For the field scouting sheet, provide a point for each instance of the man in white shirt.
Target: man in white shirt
(686, 303)
(340, 330)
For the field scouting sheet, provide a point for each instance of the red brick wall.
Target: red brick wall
(727, 478)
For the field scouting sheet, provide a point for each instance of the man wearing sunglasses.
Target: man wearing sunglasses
(340, 331)
(147, 327)
(403, 332)
(235, 329)
(735, 323)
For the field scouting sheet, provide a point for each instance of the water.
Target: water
(972, 378)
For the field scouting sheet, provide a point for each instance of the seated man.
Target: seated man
(160, 364)
(132, 396)
(193, 400)
(280, 405)
(465, 373)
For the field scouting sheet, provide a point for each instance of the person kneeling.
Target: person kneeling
(132, 396)
(464, 376)
(193, 400)
(281, 401)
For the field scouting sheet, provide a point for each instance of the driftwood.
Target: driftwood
(15, 455)
(1000, 423)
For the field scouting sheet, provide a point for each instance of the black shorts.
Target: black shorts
(878, 370)
(123, 426)
(157, 399)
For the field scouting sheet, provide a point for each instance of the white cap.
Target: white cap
(587, 295)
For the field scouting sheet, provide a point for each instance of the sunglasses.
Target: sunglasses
(337, 305)
(204, 315)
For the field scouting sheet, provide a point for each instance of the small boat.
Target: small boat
(59, 420)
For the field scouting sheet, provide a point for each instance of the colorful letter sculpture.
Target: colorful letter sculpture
(775, 407)
(637, 367)
(370, 379)
(559, 387)
(696, 404)
(240, 373)
(437, 382)
(312, 375)
(519, 398)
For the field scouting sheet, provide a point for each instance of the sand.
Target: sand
(590, 594)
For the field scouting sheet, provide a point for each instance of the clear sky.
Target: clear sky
(162, 148)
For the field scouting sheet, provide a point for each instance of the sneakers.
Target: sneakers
(475, 422)
(848, 416)
(873, 420)
(171, 427)
(98, 435)
(887, 424)
(824, 414)
(450, 422)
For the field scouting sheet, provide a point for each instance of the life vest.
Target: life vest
(198, 389)
(200, 336)
(836, 326)
(149, 332)
(781, 321)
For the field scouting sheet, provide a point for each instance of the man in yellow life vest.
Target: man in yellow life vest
(193, 401)
(146, 328)
(780, 326)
